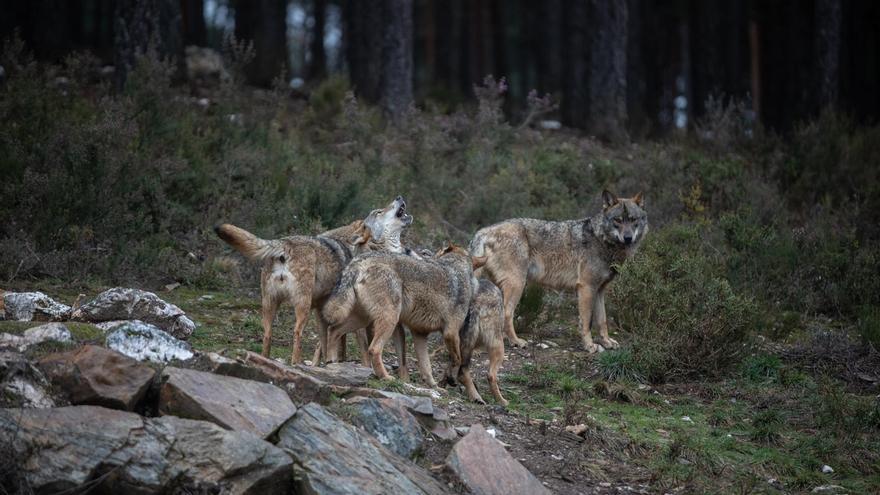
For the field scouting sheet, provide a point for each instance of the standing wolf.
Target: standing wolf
(574, 254)
(380, 290)
(302, 270)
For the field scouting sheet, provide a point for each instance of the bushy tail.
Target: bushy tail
(251, 246)
(341, 302)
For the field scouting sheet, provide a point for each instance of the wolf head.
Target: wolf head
(623, 220)
(386, 224)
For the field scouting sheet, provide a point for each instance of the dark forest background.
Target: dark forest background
(622, 67)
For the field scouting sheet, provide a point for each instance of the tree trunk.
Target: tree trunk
(550, 46)
(318, 61)
(575, 95)
(828, 30)
(140, 25)
(363, 32)
(265, 23)
(194, 30)
(397, 58)
(606, 96)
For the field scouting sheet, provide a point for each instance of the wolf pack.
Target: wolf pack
(360, 278)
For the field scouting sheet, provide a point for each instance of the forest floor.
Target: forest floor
(751, 433)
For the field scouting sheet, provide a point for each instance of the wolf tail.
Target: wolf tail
(251, 246)
(341, 302)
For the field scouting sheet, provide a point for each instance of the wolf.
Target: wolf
(380, 290)
(303, 270)
(483, 328)
(576, 255)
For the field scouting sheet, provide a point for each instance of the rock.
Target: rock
(245, 405)
(83, 448)
(432, 418)
(301, 385)
(55, 332)
(343, 374)
(336, 458)
(482, 464)
(28, 306)
(98, 376)
(828, 489)
(390, 423)
(827, 469)
(579, 429)
(22, 384)
(134, 304)
(141, 341)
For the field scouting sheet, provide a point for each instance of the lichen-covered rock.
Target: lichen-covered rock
(22, 384)
(71, 449)
(247, 405)
(33, 306)
(390, 423)
(143, 341)
(98, 376)
(55, 332)
(334, 457)
(134, 304)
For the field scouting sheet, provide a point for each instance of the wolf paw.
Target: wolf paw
(518, 342)
(609, 343)
(478, 400)
(592, 348)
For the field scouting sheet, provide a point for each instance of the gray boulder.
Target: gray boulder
(143, 341)
(98, 376)
(22, 384)
(55, 332)
(390, 423)
(28, 306)
(485, 467)
(245, 405)
(334, 457)
(135, 304)
(108, 451)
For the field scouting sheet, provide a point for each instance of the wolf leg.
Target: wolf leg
(512, 290)
(302, 316)
(601, 321)
(383, 329)
(585, 310)
(400, 347)
(270, 307)
(468, 381)
(496, 357)
(363, 345)
(322, 339)
(420, 344)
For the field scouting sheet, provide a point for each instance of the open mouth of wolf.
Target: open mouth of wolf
(401, 210)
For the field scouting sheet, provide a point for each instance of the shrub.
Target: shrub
(619, 365)
(761, 368)
(683, 316)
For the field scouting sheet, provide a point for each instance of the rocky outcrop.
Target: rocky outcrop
(28, 306)
(482, 464)
(245, 405)
(134, 304)
(22, 384)
(143, 341)
(434, 419)
(333, 457)
(98, 376)
(390, 423)
(109, 451)
(55, 332)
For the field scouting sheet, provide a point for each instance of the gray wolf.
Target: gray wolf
(303, 270)
(576, 255)
(483, 328)
(380, 290)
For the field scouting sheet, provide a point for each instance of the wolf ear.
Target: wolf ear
(608, 199)
(479, 261)
(639, 200)
(365, 235)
